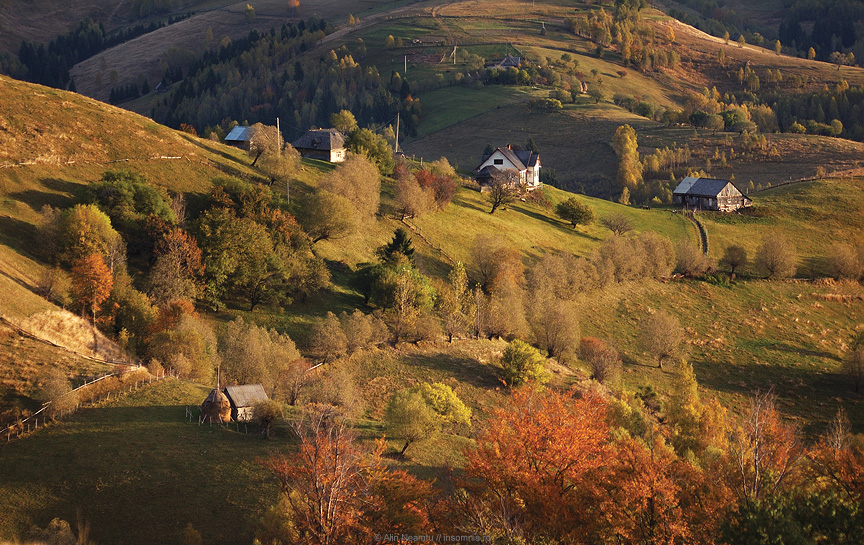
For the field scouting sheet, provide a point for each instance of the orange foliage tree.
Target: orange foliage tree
(91, 283)
(764, 453)
(528, 473)
(334, 492)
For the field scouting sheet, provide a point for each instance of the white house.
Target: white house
(525, 162)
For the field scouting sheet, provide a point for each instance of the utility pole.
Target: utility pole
(406, 65)
(397, 132)
(279, 151)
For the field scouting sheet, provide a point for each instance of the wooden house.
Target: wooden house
(709, 194)
(243, 400)
(239, 137)
(525, 162)
(324, 144)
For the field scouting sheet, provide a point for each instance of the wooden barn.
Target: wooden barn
(239, 137)
(243, 399)
(709, 194)
(324, 144)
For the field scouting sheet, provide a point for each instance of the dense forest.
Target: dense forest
(49, 65)
(253, 79)
(826, 26)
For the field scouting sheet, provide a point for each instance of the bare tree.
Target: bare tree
(846, 261)
(776, 256)
(602, 358)
(691, 260)
(619, 224)
(503, 189)
(57, 391)
(264, 139)
(662, 336)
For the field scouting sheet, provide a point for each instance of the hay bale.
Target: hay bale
(216, 408)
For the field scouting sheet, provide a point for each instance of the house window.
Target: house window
(498, 161)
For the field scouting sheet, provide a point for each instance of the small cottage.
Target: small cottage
(709, 194)
(243, 399)
(525, 162)
(324, 144)
(239, 137)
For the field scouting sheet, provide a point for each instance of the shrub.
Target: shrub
(691, 260)
(603, 360)
(522, 363)
(575, 212)
(776, 256)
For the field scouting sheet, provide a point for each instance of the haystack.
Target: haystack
(216, 408)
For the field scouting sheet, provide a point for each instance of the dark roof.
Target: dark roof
(488, 172)
(700, 187)
(246, 395)
(509, 61)
(320, 139)
(239, 133)
(521, 159)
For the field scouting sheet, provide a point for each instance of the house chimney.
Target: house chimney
(508, 146)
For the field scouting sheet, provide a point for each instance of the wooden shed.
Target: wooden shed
(709, 194)
(243, 399)
(324, 144)
(239, 137)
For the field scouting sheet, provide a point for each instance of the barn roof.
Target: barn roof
(320, 139)
(246, 395)
(700, 187)
(239, 133)
(521, 159)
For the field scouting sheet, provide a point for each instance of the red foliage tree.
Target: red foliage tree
(336, 493)
(91, 283)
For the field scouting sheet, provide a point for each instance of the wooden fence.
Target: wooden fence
(40, 418)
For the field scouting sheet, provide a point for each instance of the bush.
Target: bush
(522, 363)
(575, 212)
(776, 257)
(691, 261)
(847, 262)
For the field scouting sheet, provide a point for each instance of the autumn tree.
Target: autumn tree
(602, 358)
(626, 148)
(278, 165)
(91, 284)
(661, 336)
(86, 230)
(574, 212)
(527, 474)
(293, 6)
(554, 323)
(734, 257)
(522, 363)
(847, 261)
(762, 459)
(373, 147)
(334, 492)
(343, 121)
(328, 216)
(411, 199)
(692, 261)
(252, 354)
(265, 413)
(189, 348)
(454, 302)
(410, 418)
(358, 181)
(328, 341)
(56, 390)
(178, 270)
(776, 256)
(264, 139)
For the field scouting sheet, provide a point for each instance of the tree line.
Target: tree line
(49, 65)
(255, 79)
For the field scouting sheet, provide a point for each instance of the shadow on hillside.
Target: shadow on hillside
(18, 235)
(561, 227)
(60, 194)
(462, 368)
(212, 150)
